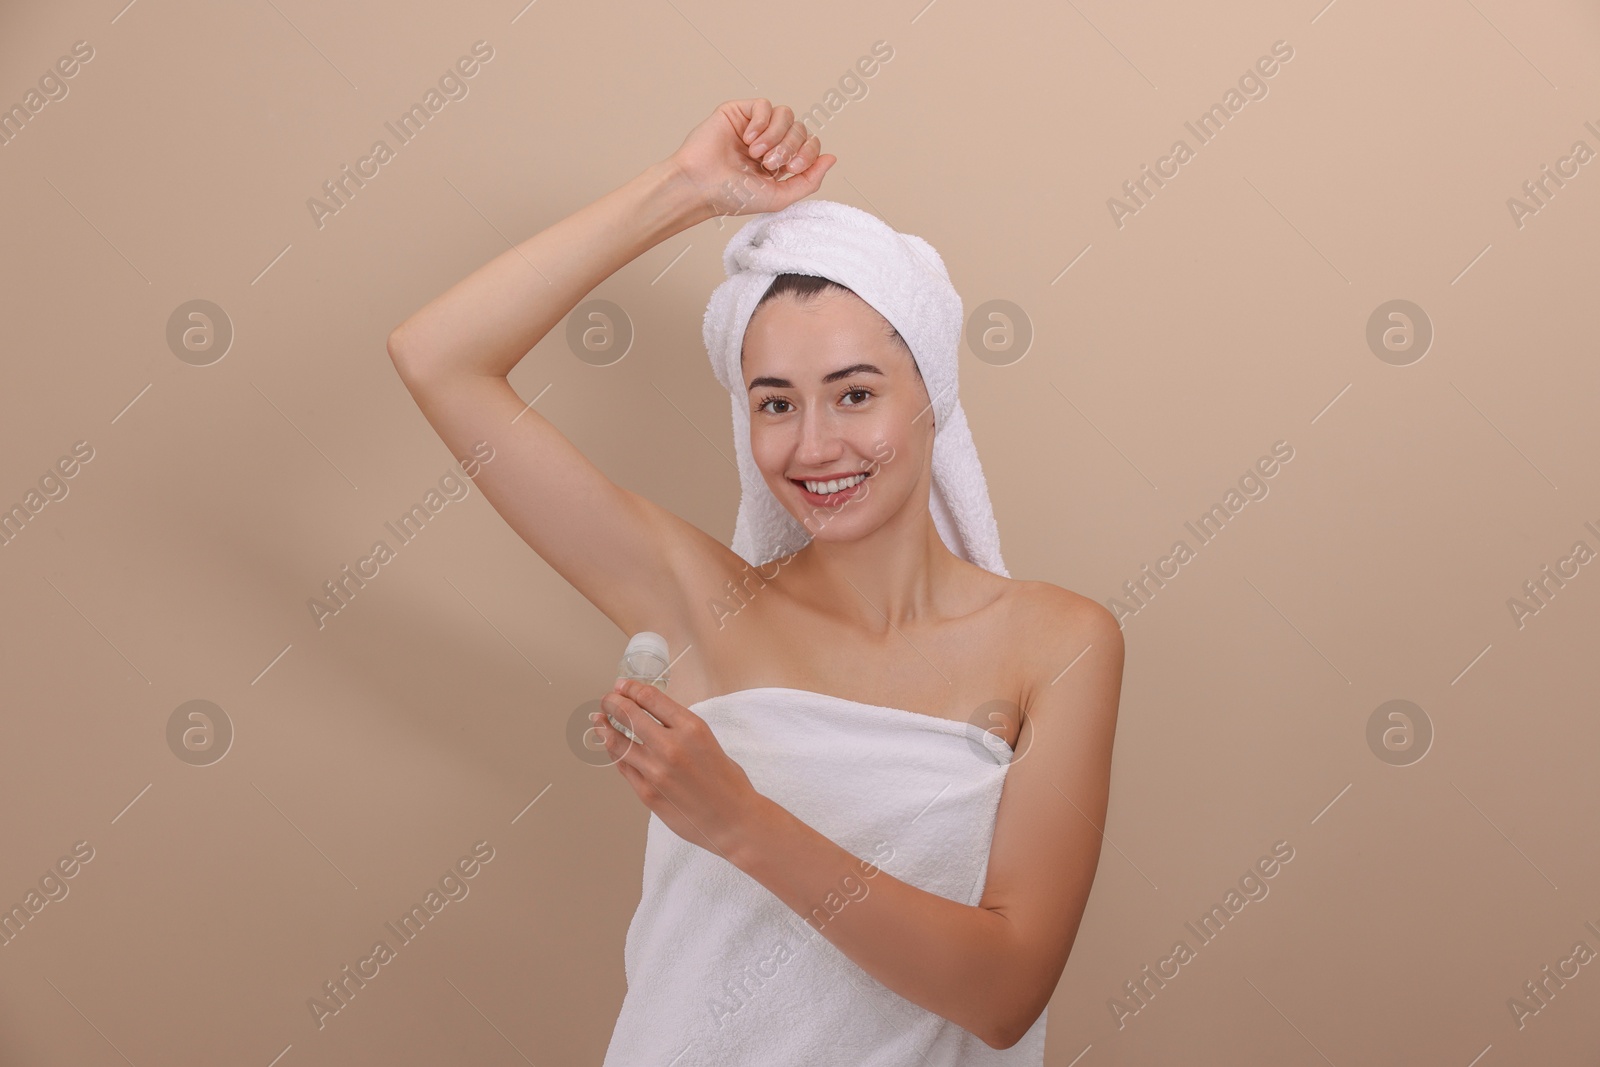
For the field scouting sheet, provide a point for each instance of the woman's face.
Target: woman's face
(833, 396)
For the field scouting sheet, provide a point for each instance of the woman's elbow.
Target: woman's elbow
(1000, 1044)
(398, 350)
(1012, 1028)
(415, 367)
(1004, 1040)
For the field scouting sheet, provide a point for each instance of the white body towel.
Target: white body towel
(721, 973)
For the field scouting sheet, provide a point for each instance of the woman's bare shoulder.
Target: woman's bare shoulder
(1055, 608)
(1054, 626)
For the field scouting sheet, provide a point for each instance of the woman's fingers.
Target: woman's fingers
(643, 709)
(650, 699)
(812, 175)
(777, 127)
(760, 115)
(777, 149)
(769, 124)
(806, 154)
(633, 718)
(802, 183)
(793, 139)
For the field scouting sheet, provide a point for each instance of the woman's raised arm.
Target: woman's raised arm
(484, 324)
(631, 558)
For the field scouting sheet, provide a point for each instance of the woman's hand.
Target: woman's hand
(733, 161)
(677, 767)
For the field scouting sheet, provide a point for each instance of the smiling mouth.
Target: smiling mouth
(835, 487)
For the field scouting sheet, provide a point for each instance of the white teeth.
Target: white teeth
(827, 488)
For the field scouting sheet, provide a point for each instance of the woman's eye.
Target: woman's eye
(765, 405)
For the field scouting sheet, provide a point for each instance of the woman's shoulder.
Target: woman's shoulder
(1052, 628)
(1045, 607)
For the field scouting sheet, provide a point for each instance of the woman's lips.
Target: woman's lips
(831, 499)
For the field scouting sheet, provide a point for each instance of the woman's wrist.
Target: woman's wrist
(670, 202)
(742, 842)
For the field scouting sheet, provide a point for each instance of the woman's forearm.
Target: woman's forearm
(486, 323)
(950, 958)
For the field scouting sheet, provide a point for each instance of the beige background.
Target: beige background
(1229, 313)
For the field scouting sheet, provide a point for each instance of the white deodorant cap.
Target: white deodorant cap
(648, 641)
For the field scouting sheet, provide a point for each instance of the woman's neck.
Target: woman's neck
(877, 583)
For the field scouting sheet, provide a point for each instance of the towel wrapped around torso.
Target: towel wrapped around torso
(721, 973)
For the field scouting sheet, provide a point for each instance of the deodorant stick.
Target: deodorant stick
(644, 661)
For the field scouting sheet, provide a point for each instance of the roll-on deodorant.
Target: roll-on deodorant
(644, 661)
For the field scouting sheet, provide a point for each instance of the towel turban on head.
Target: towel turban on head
(904, 279)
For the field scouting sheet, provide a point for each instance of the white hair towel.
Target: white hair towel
(904, 279)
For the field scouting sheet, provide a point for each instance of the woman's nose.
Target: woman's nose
(819, 439)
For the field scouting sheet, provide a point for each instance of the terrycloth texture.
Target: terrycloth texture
(721, 973)
(905, 280)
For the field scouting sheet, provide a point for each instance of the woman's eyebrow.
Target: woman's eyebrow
(784, 383)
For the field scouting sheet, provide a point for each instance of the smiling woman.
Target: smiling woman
(893, 657)
(828, 314)
(861, 402)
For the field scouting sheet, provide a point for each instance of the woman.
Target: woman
(871, 648)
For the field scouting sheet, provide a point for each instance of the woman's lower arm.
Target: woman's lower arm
(486, 323)
(944, 956)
